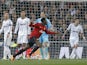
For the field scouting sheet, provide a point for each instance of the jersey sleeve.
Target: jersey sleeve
(2, 28)
(46, 30)
(10, 27)
(29, 28)
(17, 27)
(69, 27)
(49, 32)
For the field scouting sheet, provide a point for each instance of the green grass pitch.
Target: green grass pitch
(44, 62)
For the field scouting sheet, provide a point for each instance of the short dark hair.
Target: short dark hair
(23, 10)
(76, 18)
(43, 19)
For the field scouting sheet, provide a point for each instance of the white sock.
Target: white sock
(8, 52)
(78, 53)
(24, 55)
(73, 54)
(45, 52)
(5, 52)
(41, 52)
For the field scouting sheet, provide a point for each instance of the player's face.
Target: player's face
(77, 21)
(42, 15)
(6, 16)
(45, 23)
(23, 14)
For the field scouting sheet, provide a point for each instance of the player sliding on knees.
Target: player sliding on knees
(39, 28)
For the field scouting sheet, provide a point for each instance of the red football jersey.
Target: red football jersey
(38, 29)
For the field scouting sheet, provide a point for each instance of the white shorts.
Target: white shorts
(7, 41)
(22, 39)
(74, 42)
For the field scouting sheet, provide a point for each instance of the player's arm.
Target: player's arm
(29, 28)
(2, 28)
(17, 27)
(69, 27)
(64, 34)
(11, 27)
(50, 32)
(82, 33)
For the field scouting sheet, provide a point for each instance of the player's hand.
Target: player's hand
(15, 35)
(7, 35)
(84, 38)
(28, 36)
(32, 22)
(63, 37)
(58, 32)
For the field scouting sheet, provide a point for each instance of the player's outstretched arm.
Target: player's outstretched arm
(64, 34)
(51, 32)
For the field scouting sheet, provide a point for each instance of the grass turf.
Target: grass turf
(44, 62)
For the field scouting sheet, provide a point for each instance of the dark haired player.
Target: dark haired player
(39, 28)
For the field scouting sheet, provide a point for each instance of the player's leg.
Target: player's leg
(72, 56)
(74, 46)
(41, 49)
(19, 47)
(36, 47)
(25, 41)
(77, 53)
(29, 45)
(5, 52)
(24, 53)
(45, 49)
(45, 45)
(5, 48)
(8, 46)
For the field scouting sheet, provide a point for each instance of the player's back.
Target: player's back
(37, 30)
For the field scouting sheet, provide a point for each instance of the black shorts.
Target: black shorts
(32, 41)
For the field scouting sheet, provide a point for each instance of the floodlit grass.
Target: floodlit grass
(44, 62)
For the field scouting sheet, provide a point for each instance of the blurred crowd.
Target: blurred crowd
(61, 14)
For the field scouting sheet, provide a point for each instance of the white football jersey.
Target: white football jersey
(75, 30)
(6, 27)
(22, 26)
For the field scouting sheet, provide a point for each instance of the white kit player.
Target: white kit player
(75, 29)
(7, 29)
(23, 29)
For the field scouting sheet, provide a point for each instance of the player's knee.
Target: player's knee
(45, 44)
(76, 45)
(39, 45)
(24, 45)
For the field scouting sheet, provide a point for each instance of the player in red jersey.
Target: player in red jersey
(39, 28)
